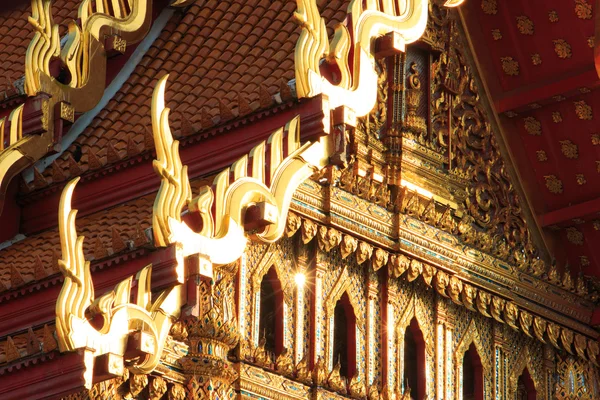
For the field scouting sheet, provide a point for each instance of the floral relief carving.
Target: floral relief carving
(580, 178)
(575, 236)
(583, 110)
(556, 117)
(541, 155)
(583, 9)
(553, 184)
(525, 25)
(591, 41)
(562, 48)
(553, 16)
(489, 7)
(532, 126)
(569, 149)
(496, 34)
(536, 59)
(510, 66)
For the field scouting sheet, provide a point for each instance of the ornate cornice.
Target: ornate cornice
(454, 270)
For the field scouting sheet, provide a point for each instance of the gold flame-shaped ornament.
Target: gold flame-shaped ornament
(352, 47)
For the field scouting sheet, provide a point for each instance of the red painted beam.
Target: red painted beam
(134, 178)
(46, 376)
(566, 214)
(539, 92)
(34, 305)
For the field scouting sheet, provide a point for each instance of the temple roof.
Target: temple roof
(225, 59)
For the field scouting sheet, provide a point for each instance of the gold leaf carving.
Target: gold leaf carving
(468, 296)
(309, 230)
(380, 258)
(539, 328)
(440, 282)
(532, 126)
(525, 320)
(398, 264)
(566, 338)
(553, 184)
(583, 9)
(569, 149)
(483, 303)
(591, 41)
(553, 16)
(525, 25)
(583, 110)
(496, 306)
(511, 313)
(496, 34)
(595, 139)
(575, 236)
(541, 155)
(580, 179)
(562, 48)
(553, 334)
(510, 66)
(489, 7)
(363, 252)
(556, 117)
(293, 224)
(536, 59)
(348, 246)
(415, 269)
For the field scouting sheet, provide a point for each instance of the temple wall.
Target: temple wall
(448, 329)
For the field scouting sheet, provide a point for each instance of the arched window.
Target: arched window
(526, 387)
(271, 313)
(414, 361)
(472, 375)
(344, 336)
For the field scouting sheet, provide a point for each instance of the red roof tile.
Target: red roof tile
(214, 52)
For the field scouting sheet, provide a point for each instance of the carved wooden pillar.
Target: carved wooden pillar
(243, 304)
(317, 328)
(444, 350)
(549, 368)
(372, 289)
(304, 257)
(500, 373)
(391, 351)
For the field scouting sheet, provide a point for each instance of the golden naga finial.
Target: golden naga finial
(84, 56)
(352, 47)
(119, 315)
(265, 179)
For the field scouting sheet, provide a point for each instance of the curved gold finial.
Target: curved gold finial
(352, 47)
(119, 315)
(77, 292)
(265, 178)
(174, 192)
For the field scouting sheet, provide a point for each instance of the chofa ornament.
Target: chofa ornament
(352, 47)
(265, 179)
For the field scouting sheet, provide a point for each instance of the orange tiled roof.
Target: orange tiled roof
(16, 33)
(215, 53)
(127, 220)
(105, 233)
